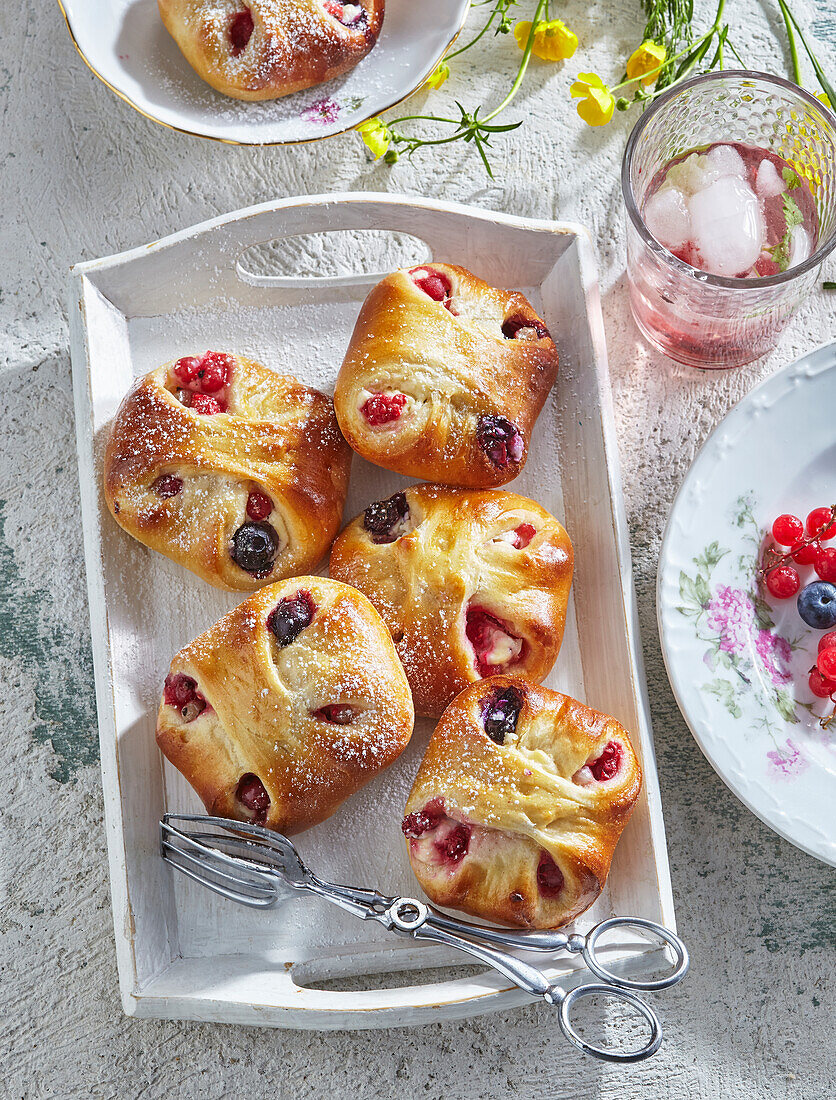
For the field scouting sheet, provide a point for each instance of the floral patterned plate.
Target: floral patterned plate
(737, 659)
(126, 45)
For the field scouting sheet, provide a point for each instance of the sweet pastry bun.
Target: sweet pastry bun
(228, 468)
(470, 583)
(444, 377)
(263, 49)
(287, 705)
(519, 803)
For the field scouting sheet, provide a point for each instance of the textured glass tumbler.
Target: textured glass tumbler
(710, 320)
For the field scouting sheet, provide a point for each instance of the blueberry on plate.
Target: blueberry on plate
(817, 605)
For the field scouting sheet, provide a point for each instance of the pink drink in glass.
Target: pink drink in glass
(729, 185)
(733, 209)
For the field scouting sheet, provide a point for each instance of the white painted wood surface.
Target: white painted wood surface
(182, 950)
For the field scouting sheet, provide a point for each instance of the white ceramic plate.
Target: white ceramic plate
(126, 45)
(738, 663)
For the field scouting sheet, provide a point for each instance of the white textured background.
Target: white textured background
(83, 176)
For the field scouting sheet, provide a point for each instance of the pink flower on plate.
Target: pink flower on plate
(787, 763)
(731, 614)
(774, 652)
(323, 111)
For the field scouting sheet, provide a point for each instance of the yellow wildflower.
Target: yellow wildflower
(375, 134)
(596, 102)
(553, 41)
(645, 61)
(438, 76)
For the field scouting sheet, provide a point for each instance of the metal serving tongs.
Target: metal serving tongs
(259, 868)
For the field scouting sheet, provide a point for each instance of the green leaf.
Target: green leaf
(762, 613)
(690, 612)
(786, 706)
(687, 589)
(790, 177)
(702, 590)
(791, 212)
(725, 693)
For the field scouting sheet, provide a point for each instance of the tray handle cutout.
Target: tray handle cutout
(347, 256)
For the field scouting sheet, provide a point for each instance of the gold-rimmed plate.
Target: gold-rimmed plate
(126, 45)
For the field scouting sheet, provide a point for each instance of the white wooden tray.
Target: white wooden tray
(183, 952)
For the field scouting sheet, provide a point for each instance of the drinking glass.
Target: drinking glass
(710, 320)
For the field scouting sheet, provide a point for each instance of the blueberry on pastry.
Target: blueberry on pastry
(287, 705)
(263, 49)
(228, 468)
(519, 803)
(444, 377)
(470, 583)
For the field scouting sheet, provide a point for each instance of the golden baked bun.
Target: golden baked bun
(287, 705)
(444, 377)
(519, 803)
(263, 49)
(228, 468)
(470, 584)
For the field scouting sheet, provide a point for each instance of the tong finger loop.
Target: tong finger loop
(609, 1054)
(669, 940)
(407, 914)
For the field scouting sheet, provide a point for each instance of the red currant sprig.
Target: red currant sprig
(777, 569)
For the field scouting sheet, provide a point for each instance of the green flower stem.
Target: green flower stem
(827, 87)
(796, 67)
(497, 9)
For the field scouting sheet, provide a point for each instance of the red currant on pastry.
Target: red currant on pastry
(167, 485)
(206, 405)
(434, 283)
(253, 796)
(608, 763)
(240, 30)
(827, 640)
(383, 408)
(337, 714)
(495, 825)
(550, 880)
(521, 327)
(259, 505)
(181, 692)
(347, 13)
(495, 646)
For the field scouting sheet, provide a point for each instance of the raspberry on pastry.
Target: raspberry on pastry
(287, 705)
(263, 49)
(228, 468)
(519, 803)
(444, 377)
(470, 583)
